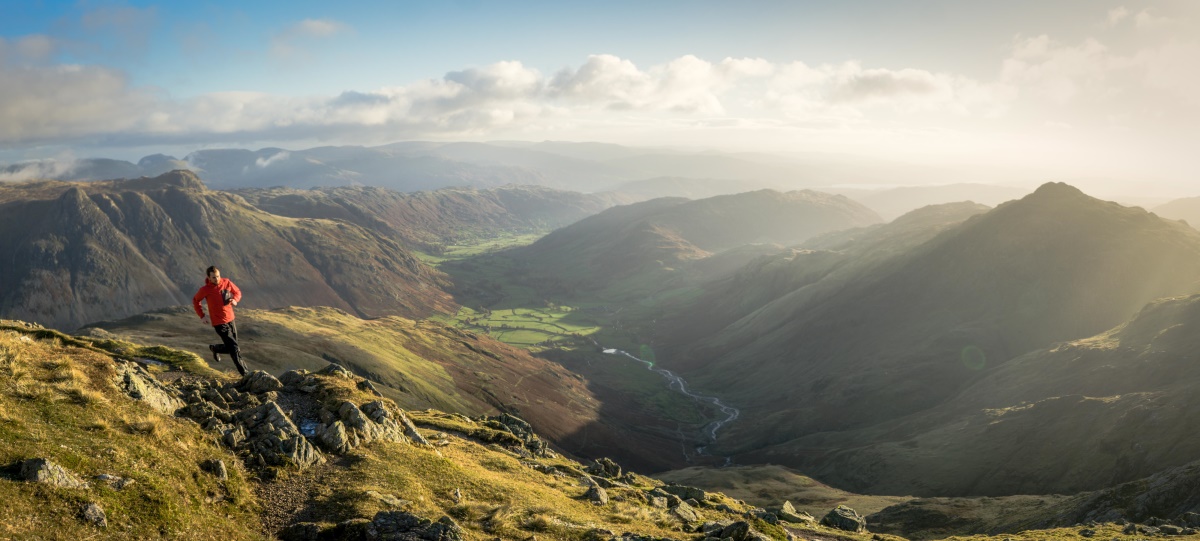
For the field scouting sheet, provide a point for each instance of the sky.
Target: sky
(1106, 93)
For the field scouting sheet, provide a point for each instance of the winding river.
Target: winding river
(675, 382)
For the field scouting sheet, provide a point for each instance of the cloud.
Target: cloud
(40, 103)
(88, 103)
(30, 49)
(265, 162)
(1148, 21)
(39, 169)
(291, 41)
(1059, 72)
(110, 32)
(1116, 15)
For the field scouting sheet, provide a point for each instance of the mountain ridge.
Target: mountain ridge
(76, 243)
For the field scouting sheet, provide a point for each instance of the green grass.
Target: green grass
(56, 402)
(117, 349)
(457, 252)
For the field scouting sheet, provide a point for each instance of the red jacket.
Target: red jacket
(220, 312)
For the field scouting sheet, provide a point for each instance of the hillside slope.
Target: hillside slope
(427, 220)
(91, 251)
(95, 446)
(819, 267)
(1053, 266)
(648, 240)
(1079, 416)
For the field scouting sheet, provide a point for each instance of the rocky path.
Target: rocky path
(296, 498)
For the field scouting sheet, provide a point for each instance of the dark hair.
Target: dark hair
(211, 270)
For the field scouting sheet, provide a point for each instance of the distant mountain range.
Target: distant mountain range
(413, 166)
(1186, 209)
(893, 202)
(633, 173)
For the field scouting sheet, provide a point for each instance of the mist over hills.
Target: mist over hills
(659, 234)
(1187, 209)
(1056, 265)
(893, 202)
(817, 268)
(94, 251)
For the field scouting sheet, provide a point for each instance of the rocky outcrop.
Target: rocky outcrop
(42, 470)
(605, 467)
(251, 419)
(596, 495)
(788, 513)
(730, 530)
(522, 430)
(386, 526)
(133, 380)
(685, 492)
(845, 518)
(272, 439)
(93, 514)
(351, 426)
(115, 481)
(216, 468)
(259, 382)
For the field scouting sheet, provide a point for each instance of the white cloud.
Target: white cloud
(1148, 21)
(1059, 72)
(38, 169)
(291, 41)
(64, 102)
(265, 162)
(1116, 15)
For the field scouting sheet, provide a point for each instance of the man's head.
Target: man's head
(214, 275)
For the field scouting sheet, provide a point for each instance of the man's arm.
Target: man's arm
(196, 305)
(237, 293)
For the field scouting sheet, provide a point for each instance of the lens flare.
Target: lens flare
(973, 358)
(646, 354)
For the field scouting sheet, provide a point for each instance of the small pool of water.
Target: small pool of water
(308, 427)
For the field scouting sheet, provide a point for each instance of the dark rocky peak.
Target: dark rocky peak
(179, 178)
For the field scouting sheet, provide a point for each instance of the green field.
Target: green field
(457, 252)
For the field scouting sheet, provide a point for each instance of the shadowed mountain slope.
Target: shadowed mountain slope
(446, 216)
(1168, 497)
(86, 252)
(1055, 265)
(1079, 416)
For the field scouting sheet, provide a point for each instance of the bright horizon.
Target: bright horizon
(1100, 94)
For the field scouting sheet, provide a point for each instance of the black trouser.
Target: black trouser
(228, 334)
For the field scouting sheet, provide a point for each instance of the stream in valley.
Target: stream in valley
(677, 383)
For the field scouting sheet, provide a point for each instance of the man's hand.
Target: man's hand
(206, 320)
(233, 302)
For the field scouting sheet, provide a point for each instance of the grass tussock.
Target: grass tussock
(145, 426)
(83, 396)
